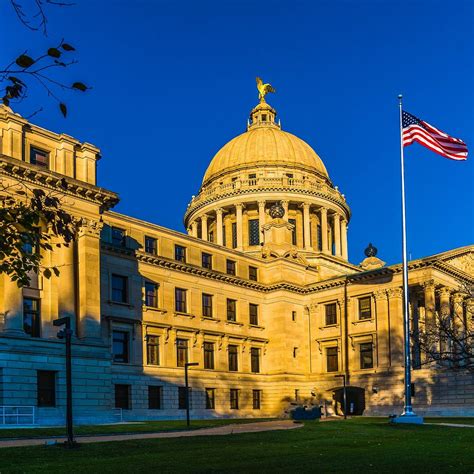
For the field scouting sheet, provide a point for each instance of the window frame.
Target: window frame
(206, 256)
(294, 238)
(335, 357)
(233, 358)
(153, 297)
(327, 315)
(155, 402)
(153, 249)
(209, 353)
(181, 304)
(255, 360)
(126, 345)
(367, 310)
(153, 346)
(253, 316)
(118, 242)
(234, 398)
(364, 352)
(210, 400)
(207, 309)
(180, 253)
(124, 291)
(35, 327)
(231, 310)
(253, 273)
(36, 150)
(230, 267)
(256, 399)
(182, 347)
(254, 232)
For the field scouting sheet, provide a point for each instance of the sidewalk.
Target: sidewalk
(218, 431)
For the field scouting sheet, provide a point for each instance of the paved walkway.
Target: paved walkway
(217, 431)
(455, 425)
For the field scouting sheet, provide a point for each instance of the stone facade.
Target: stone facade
(260, 294)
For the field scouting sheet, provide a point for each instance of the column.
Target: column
(395, 305)
(429, 290)
(459, 323)
(219, 235)
(285, 205)
(204, 233)
(306, 229)
(194, 229)
(337, 233)
(445, 320)
(12, 307)
(383, 329)
(261, 215)
(344, 250)
(324, 229)
(238, 217)
(66, 284)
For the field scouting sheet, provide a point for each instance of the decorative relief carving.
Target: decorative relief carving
(444, 292)
(395, 292)
(89, 227)
(464, 263)
(380, 295)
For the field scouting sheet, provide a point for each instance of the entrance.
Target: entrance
(355, 400)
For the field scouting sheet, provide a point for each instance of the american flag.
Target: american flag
(417, 130)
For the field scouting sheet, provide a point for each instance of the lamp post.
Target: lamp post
(344, 394)
(66, 334)
(186, 366)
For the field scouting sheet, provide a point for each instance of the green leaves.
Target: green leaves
(24, 61)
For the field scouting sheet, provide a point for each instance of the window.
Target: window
(253, 314)
(231, 310)
(253, 273)
(252, 176)
(119, 289)
(120, 346)
(154, 397)
(234, 235)
(182, 398)
(153, 350)
(293, 315)
(39, 157)
(122, 396)
(150, 245)
(206, 260)
(230, 267)
(118, 237)
(151, 294)
(180, 304)
(180, 253)
(366, 356)
(181, 352)
(293, 231)
(46, 388)
(31, 317)
(210, 398)
(264, 117)
(295, 352)
(255, 360)
(254, 232)
(320, 237)
(331, 359)
(234, 398)
(289, 175)
(224, 236)
(331, 314)
(256, 399)
(208, 355)
(233, 358)
(206, 305)
(365, 311)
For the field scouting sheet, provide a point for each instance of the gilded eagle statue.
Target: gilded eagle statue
(263, 89)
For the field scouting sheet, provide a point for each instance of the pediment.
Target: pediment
(464, 262)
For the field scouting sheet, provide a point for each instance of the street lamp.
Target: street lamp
(186, 365)
(344, 393)
(66, 334)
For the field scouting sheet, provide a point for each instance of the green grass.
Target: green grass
(357, 445)
(460, 421)
(145, 427)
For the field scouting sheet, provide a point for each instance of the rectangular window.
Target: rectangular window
(122, 396)
(256, 399)
(331, 359)
(255, 360)
(180, 304)
(180, 253)
(365, 311)
(153, 350)
(182, 398)
(234, 398)
(206, 260)
(366, 356)
(233, 358)
(331, 314)
(154, 397)
(181, 352)
(39, 157)
(254, 232)
(293, 315)
(206, 305)
(120, 346)
(293, 231)
(151, 294)
(46, 388)
(118, 237)
(320, 237)
(210, 398)
(231, 310)
(31, 317)
(119, 289)
(234, 235)
(230, 267)
(209, 355)
(253, 274)
(253, 314)
(150, 245)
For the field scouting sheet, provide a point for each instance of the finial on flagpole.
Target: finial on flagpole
(400, 97)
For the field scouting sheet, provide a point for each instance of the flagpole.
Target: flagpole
(408, 411)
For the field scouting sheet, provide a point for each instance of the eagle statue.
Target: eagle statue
(263, 89)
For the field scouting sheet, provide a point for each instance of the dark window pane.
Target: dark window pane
(320, 238)
(293, 231)
(234, 399)
(180, 253)
(207, 260)
(150, 245)
(31, 317)
(255, 359)
(253, 314)
(208, 355)
(254, 232)
(207, 305)
(331, 314)
(154, 397)
(120, 346)
(46, 388)
(151, 294)
(181, 352)
(119, 289)
(256, 399)
(233, 358)
(118, 237)
(365, 308)
(39, 157)
(122, 396)
(231, 310)
(180, 300)
(331, 357)
(230, 267)
(182, 398)
(153, 350)
(210, 398)
(253, 273)
(366, 356)
(234, 235)
(224, 236)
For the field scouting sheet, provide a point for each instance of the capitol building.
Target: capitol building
(259, 293)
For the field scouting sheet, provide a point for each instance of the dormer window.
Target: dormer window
(39, 157)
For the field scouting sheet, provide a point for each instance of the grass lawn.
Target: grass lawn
(357, 445)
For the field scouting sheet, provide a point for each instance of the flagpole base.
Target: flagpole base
(407, 418)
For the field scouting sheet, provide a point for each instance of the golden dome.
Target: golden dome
(265, 144)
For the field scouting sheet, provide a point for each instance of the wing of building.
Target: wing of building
(260, 293)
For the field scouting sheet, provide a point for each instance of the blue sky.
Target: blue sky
(174, 81)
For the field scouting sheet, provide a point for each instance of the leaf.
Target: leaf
(80, 86)
(47, 273)
(63, 109)
(24, 61)
(54, 52)
(68, 47)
